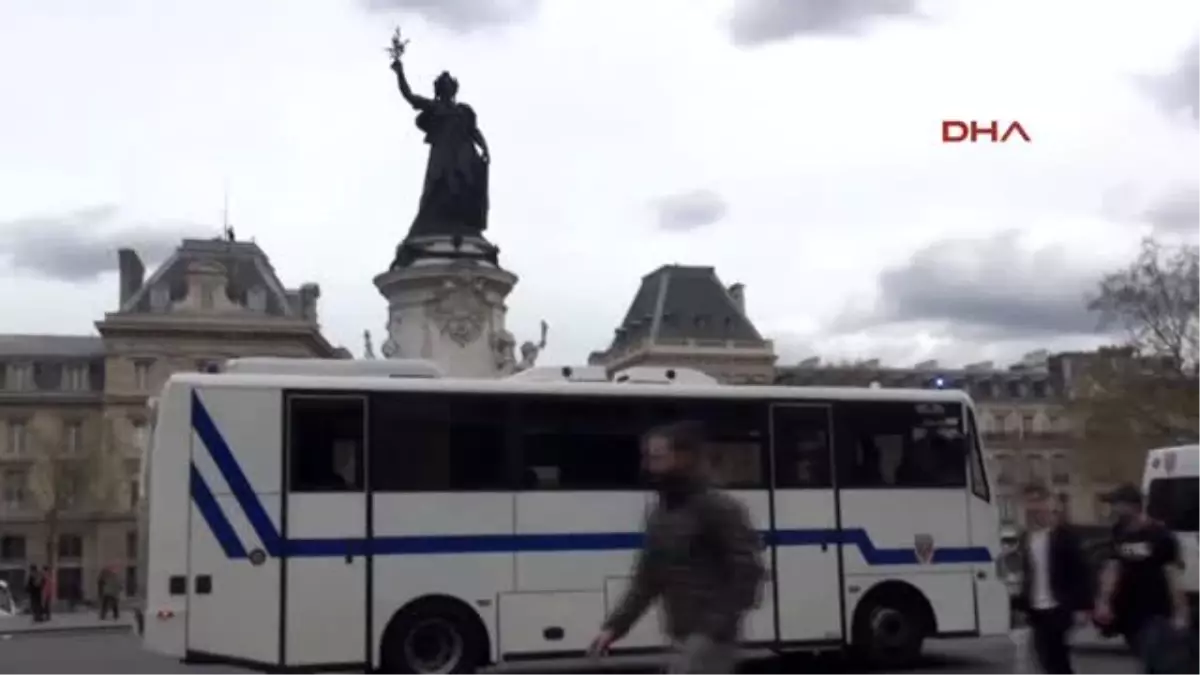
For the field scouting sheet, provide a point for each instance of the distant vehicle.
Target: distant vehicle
(8, 604)
(361, 518)
(1171, 485)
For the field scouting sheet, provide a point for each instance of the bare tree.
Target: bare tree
(64, 484)
(1145, 392)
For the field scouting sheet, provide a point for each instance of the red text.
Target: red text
(970, 131)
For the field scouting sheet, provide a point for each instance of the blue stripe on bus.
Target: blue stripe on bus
(207, 504)
(277, 546)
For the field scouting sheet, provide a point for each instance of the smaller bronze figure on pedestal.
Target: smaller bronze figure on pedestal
(454, 200)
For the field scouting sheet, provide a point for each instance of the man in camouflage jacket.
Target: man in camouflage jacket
(700, 559)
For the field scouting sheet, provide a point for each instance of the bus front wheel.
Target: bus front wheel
(890, 628)
(434, 636)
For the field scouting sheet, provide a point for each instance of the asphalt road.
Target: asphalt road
(122, 653)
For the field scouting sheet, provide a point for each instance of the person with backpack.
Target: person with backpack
(701, 558)
(1140, 591)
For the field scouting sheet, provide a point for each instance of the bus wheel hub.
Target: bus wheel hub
(433, 646)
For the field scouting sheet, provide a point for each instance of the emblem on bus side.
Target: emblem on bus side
(258, 557)
(923, 545)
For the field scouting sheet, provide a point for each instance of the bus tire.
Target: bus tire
(434, 635)
(890, 626)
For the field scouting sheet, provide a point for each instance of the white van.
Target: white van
(1170, 485)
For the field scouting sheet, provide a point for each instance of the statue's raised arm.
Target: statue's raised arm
(396, 49)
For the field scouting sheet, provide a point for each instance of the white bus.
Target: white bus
(437, 525)
(1171, 484)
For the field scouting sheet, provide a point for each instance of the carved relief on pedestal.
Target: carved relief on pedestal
(460, 308)
(503, 351)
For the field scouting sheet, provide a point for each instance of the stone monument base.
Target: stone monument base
(446, 304)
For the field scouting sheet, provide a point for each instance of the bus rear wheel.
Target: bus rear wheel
(433, 637)
(889, 632)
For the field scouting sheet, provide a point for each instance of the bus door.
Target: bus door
(806, 547)
(904, 508)
(325, 531)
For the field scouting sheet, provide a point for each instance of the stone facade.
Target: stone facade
(73, 410)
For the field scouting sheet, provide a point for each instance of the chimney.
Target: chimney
(738, 293)
(132, 273)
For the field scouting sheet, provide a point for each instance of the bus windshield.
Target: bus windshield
(1173, 502)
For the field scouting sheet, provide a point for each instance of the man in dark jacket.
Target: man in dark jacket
(700, 558)
(1056, 589)
(1141, 594)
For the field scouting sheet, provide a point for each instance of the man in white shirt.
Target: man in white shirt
(1056, 587)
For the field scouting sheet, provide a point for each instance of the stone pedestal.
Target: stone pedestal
(447, 305)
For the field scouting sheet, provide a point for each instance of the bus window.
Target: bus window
(736, 438)
(580, 444)
(439, 443)
(325, 443)
(801, 443)
(979, 484)
(903, 445)
(1173, 502)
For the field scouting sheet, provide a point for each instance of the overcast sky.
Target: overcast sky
(793, 145)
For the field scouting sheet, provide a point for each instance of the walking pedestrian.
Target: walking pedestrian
(1056, 593)
(48, 592)
(34, 584)
(700, 558)
(1140, 590)
(110, 593)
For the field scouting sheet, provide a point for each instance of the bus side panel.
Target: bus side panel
(168, 513)
(410, 561)
(585, 540)
(883, 543)
(760, 623)
(991, 592)
(233, 594)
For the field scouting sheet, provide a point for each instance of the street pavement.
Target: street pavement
(110, 651)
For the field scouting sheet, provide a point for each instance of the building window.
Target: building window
(13, 488)
(77, 378)
(135, 489)
(73, 437)
(1028, 424)
(1039, 389)
(70, 547)
(69, 582)
(20, 376)
(141, 374)
(1036, 465)
(18, 437)
(1004, 475)
(131, 545)
(131, 581)
(70, 488)
(1064, 504)
(1060, 469)
(1014, 389)
(1102, 510)
(140, 436)
(1008, 509)
(12, 549)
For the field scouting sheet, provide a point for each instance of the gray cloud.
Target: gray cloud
(758, 22)
(984, 289)
(80, 246)
(688, 211)
(1178, 212)
(460, 15)
(1178, 89)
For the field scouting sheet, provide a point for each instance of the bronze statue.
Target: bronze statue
(454, 200)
